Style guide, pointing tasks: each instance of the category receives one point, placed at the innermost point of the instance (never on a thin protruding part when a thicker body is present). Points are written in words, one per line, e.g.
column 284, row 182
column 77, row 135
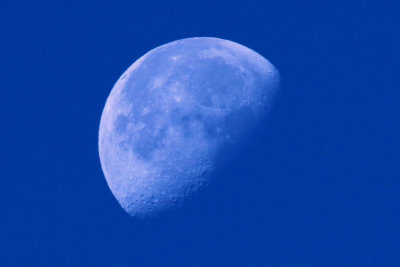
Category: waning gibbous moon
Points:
column 171, row 115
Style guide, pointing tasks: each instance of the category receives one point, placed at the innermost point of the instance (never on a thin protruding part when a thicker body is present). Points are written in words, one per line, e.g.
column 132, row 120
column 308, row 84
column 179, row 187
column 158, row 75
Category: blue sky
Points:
column 321, row 189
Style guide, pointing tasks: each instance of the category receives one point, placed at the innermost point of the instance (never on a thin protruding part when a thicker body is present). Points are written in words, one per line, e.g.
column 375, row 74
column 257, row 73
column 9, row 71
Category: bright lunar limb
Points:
column 172, row 114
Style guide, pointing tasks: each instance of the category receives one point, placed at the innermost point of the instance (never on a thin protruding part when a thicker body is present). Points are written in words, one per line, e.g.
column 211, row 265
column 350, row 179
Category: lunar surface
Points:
column 174, row 113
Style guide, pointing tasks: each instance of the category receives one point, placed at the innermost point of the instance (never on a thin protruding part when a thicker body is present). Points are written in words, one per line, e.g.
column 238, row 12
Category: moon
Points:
column 175, row 114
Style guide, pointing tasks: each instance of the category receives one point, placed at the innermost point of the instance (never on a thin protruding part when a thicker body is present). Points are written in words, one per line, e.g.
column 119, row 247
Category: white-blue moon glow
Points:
column 173, row 112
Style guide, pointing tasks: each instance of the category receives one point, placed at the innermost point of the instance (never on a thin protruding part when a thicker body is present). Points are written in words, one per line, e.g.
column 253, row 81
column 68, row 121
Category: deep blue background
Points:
column 322, row 189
